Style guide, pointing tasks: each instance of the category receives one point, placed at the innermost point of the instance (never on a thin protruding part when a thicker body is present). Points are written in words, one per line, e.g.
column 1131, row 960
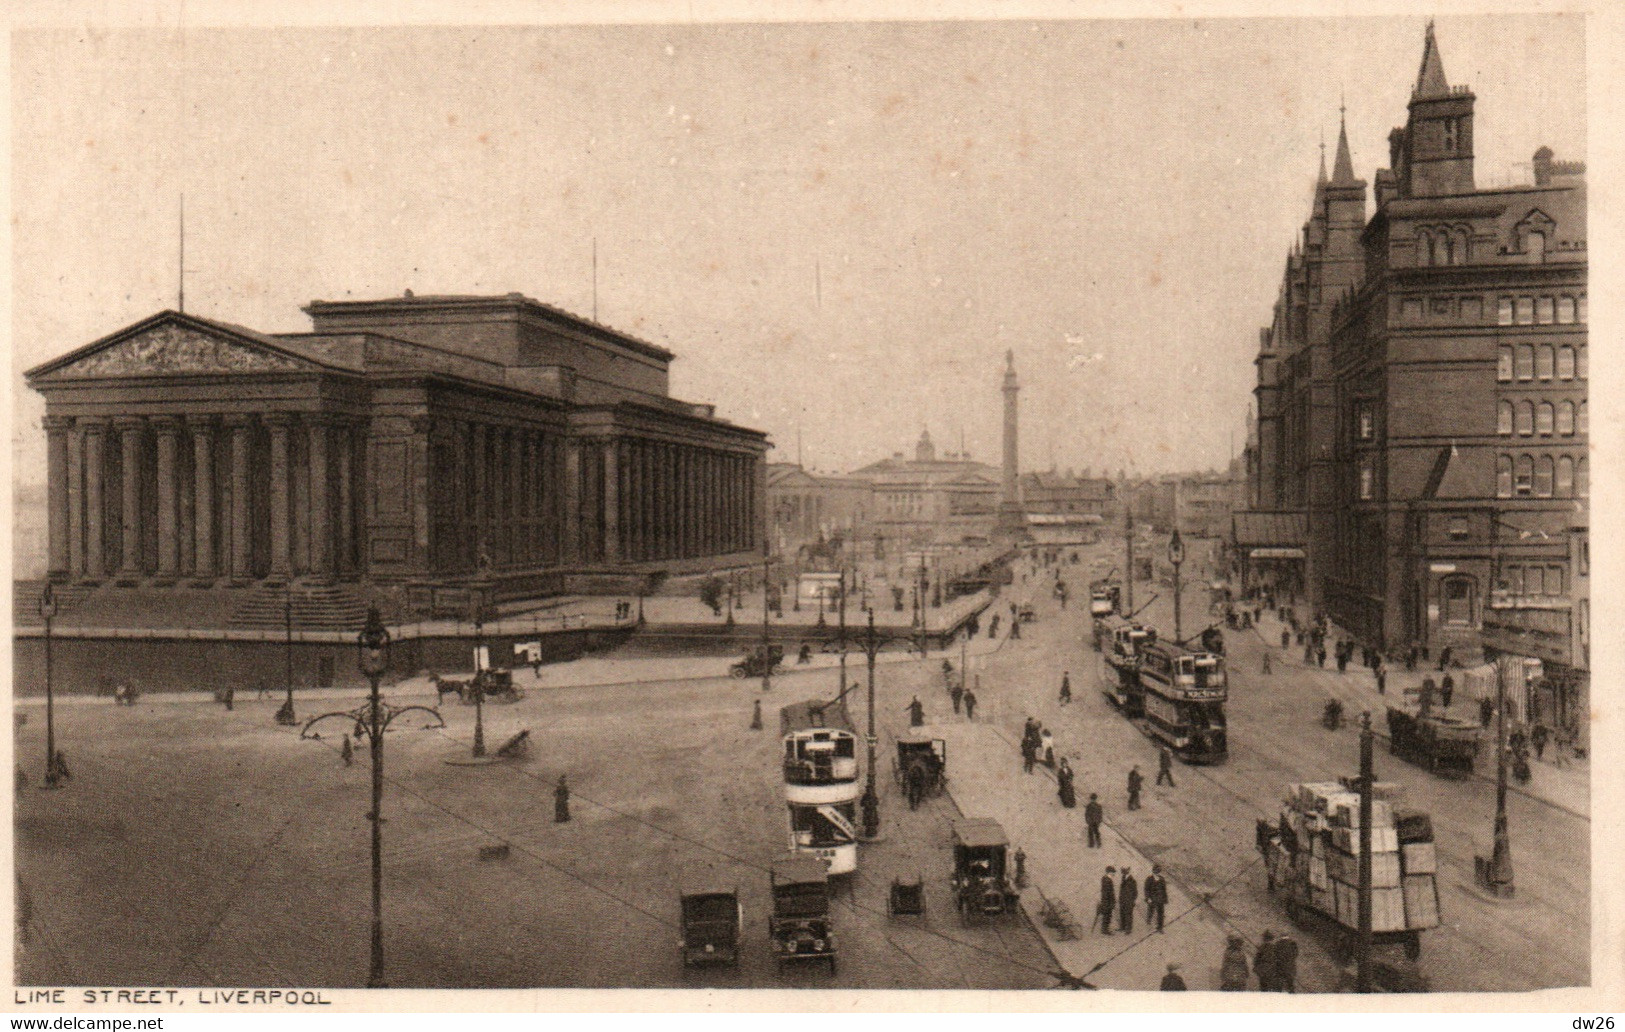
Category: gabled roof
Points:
column 177, row 344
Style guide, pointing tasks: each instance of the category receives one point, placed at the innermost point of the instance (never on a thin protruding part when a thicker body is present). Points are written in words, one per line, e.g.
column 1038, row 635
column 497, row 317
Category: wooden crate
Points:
column 1421, row 893
column 1419, row 858
column 1387, row 910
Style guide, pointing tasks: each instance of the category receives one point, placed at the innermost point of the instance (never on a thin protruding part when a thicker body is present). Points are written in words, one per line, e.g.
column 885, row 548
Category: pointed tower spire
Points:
column 1343, row 171
column 1321, row 181
column 1430, row 80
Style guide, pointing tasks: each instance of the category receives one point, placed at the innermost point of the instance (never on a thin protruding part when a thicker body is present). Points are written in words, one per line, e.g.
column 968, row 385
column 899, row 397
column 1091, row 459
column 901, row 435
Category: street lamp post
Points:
column 285, row 715
column 871, row 643
column 1176, row 556
column 767, row 655
column 47, row 610
column 478, row 686
column 1495, row 875
column 373, row 645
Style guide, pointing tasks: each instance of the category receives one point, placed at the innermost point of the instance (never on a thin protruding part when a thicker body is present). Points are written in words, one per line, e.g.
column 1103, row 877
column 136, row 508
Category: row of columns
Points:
column 505, row 499
column 205, row 527
column 664, row 500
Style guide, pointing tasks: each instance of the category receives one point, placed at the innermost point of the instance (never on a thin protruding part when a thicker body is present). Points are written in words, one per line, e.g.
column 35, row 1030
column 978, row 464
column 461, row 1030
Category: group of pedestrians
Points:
column 1274, row 964
column 1118, row 898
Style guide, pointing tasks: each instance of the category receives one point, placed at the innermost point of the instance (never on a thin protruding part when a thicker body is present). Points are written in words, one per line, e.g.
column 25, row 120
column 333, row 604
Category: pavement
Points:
column 990, row 782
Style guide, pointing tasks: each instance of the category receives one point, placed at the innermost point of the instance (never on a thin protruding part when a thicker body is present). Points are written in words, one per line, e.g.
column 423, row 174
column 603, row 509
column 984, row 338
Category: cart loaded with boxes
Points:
column 1313, row 859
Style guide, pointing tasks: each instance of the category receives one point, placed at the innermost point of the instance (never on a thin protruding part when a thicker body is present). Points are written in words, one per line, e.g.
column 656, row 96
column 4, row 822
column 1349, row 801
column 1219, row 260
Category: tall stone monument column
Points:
column 1012, row 521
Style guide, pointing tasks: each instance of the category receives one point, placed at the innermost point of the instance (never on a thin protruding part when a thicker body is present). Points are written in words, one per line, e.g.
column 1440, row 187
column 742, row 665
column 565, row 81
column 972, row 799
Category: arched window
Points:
column 1524, row 481
column 1526, row 362
column 1543, row 476
column 1503, row 419
column 1503, row 476
column 1543, row 419
column 1565, row 418
column 1461, row 246
column 1458, row 600
column 1526, row 418
column 1565, row 363
column 1543, row 362
column 1582, row 478
column 1424, row 247
column 1565, row 476
column 1583, row 424
column 1503, row 364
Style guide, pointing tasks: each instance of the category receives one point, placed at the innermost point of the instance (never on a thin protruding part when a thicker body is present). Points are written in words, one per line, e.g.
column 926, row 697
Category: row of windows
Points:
column 1527, row 419
column 1442, row 245
column 1531, row 579
column 1540, row 311
column 1541, row 362
column 1542, row 476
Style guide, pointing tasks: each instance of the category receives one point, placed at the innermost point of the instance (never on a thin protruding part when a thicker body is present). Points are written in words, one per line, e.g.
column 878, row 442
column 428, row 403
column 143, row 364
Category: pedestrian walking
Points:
column 970, row 704
column 231, row 696
column 1165, row 767
column 756, row 716
column 1233, row 969
column 1265, row 666
column 1444, row 656
column 347, row 752
column 916, row 712
column 1447, row 688
column 561, row 801
column 1308, row 651
column 1063, row 784
column 1066, row 687
column 1382, row 678
column 1538, row 737
column 1029, row 754
column 956, row 692
column 1093, row 814
column 1156, row 897
column 1342, row 658
column 1320, row 655
column 1046, row 747
column 1286, row 964
column 1264, row 964
column 1171, row 982
column 536, row 664
column 1128, row 894
column 1135, row 782
column 1486, row 711
column 1108, row 902
column 1286, row 639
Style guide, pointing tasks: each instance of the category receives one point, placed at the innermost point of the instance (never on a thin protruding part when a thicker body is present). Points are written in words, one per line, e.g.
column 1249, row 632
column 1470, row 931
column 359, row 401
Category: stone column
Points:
column 480, row 480
column 96, row 500
column 241, row 530
column 130, row 431
column 76, row 502
column 203, row 501
column 321, row 521
column 281, row 426
column 420, row 468
column 611, row 496
column 344, row 561
column 168, row 429
column 57, row 431
column 636, row 493
column 570, row 536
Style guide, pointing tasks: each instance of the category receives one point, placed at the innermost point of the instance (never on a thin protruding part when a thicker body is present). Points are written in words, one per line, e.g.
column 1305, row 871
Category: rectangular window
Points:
column 1543, row 362
column 1441, row 306
column 1565, row 309
column 1526, row 362
column 1534, row 581
column 1554, row 580
column 1543, row 310
column 1526, row 311
column 1503, row 311
column 1512, row 580
column 1503, row 364
column 1368, row 481
column 1368, row 429
column 1458, row 528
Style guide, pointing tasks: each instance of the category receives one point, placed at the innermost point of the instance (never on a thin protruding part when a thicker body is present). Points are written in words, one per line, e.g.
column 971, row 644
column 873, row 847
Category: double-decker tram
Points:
column 1183, row 692
column 1119, row 642
column 821, row 782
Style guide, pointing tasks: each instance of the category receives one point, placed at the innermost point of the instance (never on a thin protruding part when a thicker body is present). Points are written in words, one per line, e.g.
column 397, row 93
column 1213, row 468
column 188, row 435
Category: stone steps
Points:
column 328, row 607
column 26, row 594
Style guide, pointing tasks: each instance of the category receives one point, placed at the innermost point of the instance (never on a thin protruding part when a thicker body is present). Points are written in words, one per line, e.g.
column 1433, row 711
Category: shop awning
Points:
column 1270, row 534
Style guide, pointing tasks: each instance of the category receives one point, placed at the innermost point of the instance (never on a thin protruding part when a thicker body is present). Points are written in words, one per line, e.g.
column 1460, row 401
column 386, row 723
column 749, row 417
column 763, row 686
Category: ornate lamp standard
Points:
column 1176, row 556
column 375, row 717
column 767, row 656
column 47, row 610
column 871, row 642
column 284, row 716
column 478, row 687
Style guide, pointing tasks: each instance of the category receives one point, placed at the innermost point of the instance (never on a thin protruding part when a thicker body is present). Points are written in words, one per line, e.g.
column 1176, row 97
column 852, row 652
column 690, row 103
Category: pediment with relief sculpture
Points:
column 173, row 349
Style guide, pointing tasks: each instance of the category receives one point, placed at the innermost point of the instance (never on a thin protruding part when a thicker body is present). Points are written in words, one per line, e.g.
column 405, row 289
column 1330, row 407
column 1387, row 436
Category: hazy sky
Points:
column 1111, row 199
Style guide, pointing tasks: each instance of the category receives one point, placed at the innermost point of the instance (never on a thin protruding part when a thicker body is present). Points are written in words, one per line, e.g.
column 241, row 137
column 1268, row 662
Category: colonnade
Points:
column 201, row 496
column 664, row 500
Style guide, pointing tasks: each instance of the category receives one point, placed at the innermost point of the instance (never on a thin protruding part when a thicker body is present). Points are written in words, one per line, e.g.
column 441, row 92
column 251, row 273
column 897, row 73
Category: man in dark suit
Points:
column 1093, row 814
column 1128, row 894
column 1156, row 896
column 1108, row 901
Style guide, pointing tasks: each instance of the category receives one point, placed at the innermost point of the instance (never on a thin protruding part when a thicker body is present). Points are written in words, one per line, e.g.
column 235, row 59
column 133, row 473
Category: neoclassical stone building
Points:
column 421, row 446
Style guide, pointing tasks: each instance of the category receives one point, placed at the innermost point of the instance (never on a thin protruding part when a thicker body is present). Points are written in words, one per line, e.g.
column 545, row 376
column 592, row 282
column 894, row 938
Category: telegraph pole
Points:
column 1362, row 976
column 767, row 656
column 1128, row 539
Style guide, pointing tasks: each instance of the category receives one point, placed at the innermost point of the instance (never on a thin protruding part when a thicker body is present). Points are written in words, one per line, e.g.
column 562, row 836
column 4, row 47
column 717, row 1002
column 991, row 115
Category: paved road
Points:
column 1203, row 829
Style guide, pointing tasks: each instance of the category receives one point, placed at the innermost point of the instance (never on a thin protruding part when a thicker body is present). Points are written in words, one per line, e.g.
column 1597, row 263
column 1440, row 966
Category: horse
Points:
column 443, row 688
